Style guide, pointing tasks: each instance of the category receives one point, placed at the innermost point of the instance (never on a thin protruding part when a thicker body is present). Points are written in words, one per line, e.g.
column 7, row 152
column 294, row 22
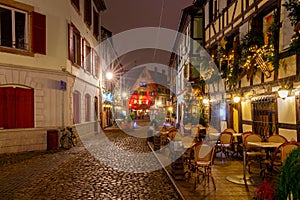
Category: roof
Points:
column 132, row 76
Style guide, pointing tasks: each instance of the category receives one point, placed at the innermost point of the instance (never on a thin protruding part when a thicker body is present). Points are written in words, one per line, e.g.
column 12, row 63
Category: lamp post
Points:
column 106, row 96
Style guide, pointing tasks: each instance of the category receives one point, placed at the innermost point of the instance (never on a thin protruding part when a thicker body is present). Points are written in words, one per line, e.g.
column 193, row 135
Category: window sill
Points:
column 16, row 51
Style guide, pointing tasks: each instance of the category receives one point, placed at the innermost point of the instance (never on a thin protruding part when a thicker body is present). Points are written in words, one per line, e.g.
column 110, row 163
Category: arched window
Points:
column 87, row 108
column 16, row 107
column 76, row 107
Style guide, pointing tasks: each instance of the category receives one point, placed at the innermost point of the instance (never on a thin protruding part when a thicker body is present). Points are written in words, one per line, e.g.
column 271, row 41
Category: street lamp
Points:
column 109, row 75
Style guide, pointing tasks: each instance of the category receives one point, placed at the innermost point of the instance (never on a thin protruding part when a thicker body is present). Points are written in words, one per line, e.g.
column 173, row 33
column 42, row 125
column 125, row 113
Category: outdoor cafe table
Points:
column 252, row 180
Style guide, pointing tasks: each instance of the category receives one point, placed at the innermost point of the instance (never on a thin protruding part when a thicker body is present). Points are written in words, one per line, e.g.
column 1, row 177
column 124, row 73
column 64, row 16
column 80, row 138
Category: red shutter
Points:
column 24, row 108
column 82, row 53
column 76, row 108
column 71, row 43
column 88, row 12
column 38, row 33
column 10, row 108
column 2, row 107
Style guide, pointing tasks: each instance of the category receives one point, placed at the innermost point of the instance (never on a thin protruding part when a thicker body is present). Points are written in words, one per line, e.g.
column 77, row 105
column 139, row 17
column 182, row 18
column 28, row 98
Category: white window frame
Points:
column 13, row 10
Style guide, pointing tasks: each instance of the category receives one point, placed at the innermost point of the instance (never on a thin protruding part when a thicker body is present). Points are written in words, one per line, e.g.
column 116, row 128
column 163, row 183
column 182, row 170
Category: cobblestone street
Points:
column 75, row 174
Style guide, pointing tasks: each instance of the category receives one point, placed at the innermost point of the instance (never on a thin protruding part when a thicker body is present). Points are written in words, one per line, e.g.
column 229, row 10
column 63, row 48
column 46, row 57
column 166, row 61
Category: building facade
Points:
column 50, row 69
column 253, row 46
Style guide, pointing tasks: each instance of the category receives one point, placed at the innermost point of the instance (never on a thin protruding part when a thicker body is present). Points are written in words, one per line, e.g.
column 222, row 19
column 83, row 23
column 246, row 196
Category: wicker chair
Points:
column 203, row 161
column 280, row 155
column 277, row 138
column 253, row 152
column 224, row 144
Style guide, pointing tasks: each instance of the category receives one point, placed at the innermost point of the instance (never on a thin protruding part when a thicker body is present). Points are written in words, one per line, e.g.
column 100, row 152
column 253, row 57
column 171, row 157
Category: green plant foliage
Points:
column 288, row 185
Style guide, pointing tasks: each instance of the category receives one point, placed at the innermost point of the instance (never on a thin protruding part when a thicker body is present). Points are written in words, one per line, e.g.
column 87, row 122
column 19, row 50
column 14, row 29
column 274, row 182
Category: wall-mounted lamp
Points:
column 236, row 99
column 283, row 92
column 206, row 101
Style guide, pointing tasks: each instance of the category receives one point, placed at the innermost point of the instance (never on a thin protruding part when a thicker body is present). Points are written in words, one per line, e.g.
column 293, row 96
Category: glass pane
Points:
column 5, row 27
column 198, row 28
column 20, row 30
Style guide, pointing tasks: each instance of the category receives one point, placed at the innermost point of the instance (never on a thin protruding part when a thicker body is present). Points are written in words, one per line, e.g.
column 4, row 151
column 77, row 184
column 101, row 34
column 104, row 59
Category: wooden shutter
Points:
column 38, row 33
column 71, row 43
column 88, row 12
column 82, row 53
column 76, row 108
column 96, row 23
column 24, row 108
column 3, row 117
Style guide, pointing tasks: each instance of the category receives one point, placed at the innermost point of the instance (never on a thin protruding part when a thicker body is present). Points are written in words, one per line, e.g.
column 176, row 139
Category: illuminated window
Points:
column 267, row 22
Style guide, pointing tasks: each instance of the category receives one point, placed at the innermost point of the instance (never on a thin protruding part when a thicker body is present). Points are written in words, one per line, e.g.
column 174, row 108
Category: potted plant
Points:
column 288, row 185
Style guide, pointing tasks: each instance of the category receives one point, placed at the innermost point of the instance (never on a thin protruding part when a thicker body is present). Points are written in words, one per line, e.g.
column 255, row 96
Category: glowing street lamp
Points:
column 109, row 75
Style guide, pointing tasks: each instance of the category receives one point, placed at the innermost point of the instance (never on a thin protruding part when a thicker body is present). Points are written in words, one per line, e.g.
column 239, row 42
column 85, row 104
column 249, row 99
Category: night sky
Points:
column 122, row 15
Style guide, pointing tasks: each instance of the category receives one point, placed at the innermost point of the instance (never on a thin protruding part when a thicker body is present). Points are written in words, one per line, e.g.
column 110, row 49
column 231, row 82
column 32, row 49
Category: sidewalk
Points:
column 225, row 190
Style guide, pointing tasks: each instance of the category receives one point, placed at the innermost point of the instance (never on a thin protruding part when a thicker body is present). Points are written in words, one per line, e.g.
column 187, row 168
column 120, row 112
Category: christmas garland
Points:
column 247, row 52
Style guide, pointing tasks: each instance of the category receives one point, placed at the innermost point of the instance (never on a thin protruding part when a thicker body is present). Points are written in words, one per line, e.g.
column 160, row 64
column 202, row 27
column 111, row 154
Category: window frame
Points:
column 87, row 57
column 75, row 46
column 22, row 8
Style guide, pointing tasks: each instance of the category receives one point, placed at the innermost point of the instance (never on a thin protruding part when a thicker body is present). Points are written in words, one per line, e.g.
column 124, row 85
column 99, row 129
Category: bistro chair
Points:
column 203, row 161
column 253, row 152
column 242, row 139
column 277, row 138
column 224, row 145
column 229, row 130
column 280, row 155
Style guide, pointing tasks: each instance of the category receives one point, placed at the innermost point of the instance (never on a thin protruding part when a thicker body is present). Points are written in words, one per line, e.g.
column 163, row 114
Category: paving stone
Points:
column 75, row 174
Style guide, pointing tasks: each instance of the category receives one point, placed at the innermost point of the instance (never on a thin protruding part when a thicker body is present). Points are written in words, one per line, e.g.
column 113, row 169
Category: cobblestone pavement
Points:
column 75, row 174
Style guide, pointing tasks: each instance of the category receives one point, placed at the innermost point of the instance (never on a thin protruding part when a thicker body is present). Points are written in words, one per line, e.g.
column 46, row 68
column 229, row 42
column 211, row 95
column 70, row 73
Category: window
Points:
column 76, row 107
column 143, row 84
column 96, row 64
column 15, row 30
column 87, row 108
column 88, row 12
column 76, row 4
column 74, row 45
column 210, row 12
column 87, row 57
column 96, row 24
column 264, row 116
column 247, row 3
column 267, row 22
column 16, row 107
